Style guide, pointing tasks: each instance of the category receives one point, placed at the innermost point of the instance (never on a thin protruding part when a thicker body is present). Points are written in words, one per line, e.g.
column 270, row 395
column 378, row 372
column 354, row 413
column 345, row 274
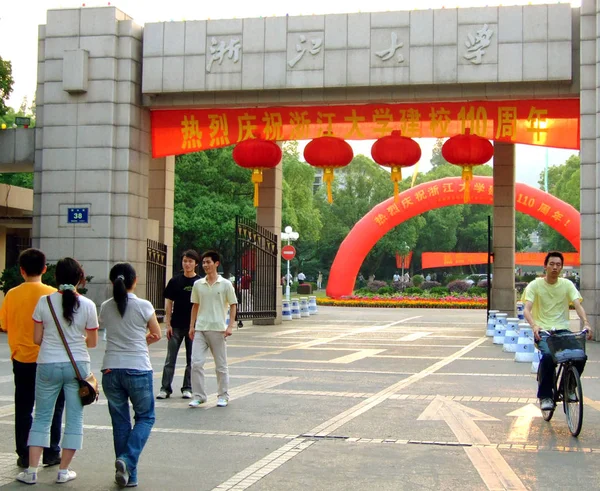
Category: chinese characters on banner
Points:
column 446, row 259
column 552, row 123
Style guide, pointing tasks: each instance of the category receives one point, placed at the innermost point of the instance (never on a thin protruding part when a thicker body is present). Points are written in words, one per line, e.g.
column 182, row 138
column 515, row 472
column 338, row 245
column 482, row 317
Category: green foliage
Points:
column 564, row 183
column 11, row 277
column 439, row 290
column 413, row 290
column 21, row 179
column 6, row 84
column 477, row 291
column 210, row 190
column 417, row 279
column 386, row 290
column 25, row 111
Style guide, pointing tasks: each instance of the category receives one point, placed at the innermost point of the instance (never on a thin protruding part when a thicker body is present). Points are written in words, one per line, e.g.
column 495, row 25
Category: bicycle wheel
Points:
column 546, row 413
column 573, row 400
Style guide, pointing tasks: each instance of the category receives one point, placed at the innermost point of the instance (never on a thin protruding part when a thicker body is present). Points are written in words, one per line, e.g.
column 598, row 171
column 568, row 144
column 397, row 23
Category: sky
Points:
column 19, row 20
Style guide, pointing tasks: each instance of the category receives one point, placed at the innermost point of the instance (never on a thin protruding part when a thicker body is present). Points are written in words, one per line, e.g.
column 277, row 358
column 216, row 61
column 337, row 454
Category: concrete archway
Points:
column 435, row 194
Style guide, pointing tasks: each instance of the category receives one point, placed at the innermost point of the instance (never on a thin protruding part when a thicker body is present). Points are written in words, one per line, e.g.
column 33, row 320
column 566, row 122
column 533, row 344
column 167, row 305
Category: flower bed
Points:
column 448, row 302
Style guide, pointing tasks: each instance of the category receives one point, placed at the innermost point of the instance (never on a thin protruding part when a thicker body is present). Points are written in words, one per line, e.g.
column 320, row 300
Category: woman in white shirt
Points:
column 79, row 323
column 126, row 370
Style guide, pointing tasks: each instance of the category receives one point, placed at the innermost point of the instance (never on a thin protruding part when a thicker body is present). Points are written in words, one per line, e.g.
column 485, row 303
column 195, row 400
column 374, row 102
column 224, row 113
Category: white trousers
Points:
column 215, row 342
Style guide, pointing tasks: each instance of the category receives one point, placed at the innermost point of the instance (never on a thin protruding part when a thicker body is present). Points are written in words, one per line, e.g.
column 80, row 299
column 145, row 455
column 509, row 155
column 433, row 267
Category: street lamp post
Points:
column 290, row 236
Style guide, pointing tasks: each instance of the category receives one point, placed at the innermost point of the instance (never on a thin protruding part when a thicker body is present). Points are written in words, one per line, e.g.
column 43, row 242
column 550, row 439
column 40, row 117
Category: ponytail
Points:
column 69, row 274
column 122, row 276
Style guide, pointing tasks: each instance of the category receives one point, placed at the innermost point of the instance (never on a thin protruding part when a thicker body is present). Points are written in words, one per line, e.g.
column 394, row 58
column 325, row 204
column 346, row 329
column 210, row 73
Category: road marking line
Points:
column 414, row 336
column 359, row 355
column 519, row 430
column 493, row 469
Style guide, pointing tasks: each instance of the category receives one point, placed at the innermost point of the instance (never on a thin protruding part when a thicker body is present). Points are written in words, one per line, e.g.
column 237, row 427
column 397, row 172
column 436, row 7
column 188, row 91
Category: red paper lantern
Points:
column 257, row 154
column 328, row 152
column 467, row 151
column 396, row 151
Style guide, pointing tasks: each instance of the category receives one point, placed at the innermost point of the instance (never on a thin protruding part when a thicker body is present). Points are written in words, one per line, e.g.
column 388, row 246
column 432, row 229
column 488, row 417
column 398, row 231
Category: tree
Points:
column 6, row 84
column 564, row 183
column 210, row 191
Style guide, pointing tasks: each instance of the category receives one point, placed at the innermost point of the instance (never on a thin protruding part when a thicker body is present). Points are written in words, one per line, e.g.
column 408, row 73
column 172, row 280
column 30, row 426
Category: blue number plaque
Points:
column 77, row 215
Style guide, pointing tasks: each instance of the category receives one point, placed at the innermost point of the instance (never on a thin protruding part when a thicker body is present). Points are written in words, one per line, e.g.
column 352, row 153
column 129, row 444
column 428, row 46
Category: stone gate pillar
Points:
column 92, row 144
column 590, row 160
column 503, row 283
column 161, row 203
column 268, row 215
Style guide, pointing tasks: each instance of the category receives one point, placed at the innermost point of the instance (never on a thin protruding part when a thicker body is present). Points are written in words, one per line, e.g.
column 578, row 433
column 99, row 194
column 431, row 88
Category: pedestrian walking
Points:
column 177, row 319
column 211, row 296
column 79, row 324
column 16, row 319
column 126, row 370
column 319, row 280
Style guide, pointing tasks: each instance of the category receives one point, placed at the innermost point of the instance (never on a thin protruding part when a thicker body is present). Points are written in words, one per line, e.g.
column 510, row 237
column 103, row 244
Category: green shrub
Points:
column 386, row 290
column 477, row 291
column 458, row 286
column 417, row 279
column 439, row 290
column 11, row 277
column 413, row 290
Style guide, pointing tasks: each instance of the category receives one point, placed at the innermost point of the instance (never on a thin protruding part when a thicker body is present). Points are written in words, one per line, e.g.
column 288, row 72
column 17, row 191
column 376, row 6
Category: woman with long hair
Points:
column 131, row 325
column 55, row 372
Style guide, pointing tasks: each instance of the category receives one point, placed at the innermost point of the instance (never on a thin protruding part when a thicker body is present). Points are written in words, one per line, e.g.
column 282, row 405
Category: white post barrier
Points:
column 491, row 323
column 312, row 305
column 500, row 329
column 525, row 346
column 296, row 308
column 511, row 337
column 304, row 307
column 286, row 311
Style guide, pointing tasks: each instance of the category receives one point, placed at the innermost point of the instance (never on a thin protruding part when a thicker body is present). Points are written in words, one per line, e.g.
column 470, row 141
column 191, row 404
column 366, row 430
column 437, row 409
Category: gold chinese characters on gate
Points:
column 551, row 122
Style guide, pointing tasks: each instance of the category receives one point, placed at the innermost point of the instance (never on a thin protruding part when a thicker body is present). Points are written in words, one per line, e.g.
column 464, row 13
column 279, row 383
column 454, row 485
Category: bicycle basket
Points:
column 567, row 347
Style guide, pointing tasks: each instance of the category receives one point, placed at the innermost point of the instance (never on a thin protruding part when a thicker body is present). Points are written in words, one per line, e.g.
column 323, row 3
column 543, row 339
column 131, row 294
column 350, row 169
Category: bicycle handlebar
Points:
column 553, row 332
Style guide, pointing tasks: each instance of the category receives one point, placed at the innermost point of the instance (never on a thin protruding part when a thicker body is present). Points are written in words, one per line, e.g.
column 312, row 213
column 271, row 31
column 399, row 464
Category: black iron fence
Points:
column 156, row 275
column 256, row 275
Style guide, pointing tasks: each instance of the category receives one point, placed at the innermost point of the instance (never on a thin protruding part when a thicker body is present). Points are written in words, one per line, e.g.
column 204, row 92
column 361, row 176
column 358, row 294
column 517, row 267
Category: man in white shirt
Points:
column 301, row 277
column 211, row 296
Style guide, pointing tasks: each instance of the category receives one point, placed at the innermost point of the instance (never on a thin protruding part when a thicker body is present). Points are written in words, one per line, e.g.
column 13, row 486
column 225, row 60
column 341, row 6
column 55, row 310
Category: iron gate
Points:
column 156, row 275
column 255, row 270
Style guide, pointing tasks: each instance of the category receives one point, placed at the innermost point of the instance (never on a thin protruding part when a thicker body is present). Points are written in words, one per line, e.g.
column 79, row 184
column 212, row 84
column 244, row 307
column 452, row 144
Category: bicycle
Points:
column 566, row 348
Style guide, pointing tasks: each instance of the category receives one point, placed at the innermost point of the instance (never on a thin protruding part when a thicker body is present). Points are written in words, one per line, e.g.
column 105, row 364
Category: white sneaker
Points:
column 195, row 403
column 27, row 477
column 547, row 404
column 65, row 476
column 163, row 395
column 573, row 397
column 186, row 394
column 222, row 402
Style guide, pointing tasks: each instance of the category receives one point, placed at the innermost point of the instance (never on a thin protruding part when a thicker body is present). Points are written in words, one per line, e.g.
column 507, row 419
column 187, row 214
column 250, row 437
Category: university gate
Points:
column 108, row 98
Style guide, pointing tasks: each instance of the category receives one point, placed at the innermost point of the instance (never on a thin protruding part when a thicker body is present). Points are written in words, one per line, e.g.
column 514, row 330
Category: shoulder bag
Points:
column 88, row 387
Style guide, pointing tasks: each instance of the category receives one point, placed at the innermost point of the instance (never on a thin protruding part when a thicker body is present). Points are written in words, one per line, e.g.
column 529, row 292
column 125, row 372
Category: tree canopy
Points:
column 6, row 84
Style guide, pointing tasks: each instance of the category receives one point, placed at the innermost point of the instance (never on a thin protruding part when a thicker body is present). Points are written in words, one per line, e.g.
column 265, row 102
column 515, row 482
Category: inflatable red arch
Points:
column 435, row 194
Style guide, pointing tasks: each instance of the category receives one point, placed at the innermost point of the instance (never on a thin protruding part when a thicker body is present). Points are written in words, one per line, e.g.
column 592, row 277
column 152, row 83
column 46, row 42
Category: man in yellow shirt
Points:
column 16, row 319
column 547, row 302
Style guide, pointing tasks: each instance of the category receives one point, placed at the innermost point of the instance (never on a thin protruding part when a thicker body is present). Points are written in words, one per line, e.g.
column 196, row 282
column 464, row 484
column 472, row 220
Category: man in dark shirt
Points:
column 178, row 308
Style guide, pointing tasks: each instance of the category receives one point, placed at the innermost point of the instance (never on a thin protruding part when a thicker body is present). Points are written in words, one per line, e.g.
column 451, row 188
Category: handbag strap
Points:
column 62, row 336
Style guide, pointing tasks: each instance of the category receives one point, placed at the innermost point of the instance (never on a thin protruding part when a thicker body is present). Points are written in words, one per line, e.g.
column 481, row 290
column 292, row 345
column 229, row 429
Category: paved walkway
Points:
column 349, row 399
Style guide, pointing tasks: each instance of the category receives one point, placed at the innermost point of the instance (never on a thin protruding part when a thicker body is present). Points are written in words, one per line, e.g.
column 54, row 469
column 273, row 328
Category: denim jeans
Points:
column 548, row 367
column 119, row 386
column 179, row 335
column 50, row 379
column 24, row 374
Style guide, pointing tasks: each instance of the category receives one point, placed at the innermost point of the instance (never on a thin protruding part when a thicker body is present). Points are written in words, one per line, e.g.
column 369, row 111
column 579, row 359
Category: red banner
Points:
column 551, row 123
column 407, row 259
column 449, row 259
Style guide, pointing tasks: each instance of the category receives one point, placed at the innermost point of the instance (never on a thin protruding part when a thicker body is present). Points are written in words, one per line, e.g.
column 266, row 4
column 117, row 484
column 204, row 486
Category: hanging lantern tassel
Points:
column 328, row 178
column 257, row 178
column 467, row 176
column 396, row 177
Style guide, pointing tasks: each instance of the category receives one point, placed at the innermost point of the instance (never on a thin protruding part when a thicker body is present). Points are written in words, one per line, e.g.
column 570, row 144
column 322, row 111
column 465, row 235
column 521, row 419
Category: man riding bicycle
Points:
column 547, row 308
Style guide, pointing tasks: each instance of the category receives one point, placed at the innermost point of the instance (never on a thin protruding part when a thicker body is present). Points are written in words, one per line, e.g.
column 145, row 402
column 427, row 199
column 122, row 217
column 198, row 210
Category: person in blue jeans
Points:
column 79, row 324
column 126, row 370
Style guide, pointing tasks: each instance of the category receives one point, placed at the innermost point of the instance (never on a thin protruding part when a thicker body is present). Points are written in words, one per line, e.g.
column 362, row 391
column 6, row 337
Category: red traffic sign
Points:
column 288, row 252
